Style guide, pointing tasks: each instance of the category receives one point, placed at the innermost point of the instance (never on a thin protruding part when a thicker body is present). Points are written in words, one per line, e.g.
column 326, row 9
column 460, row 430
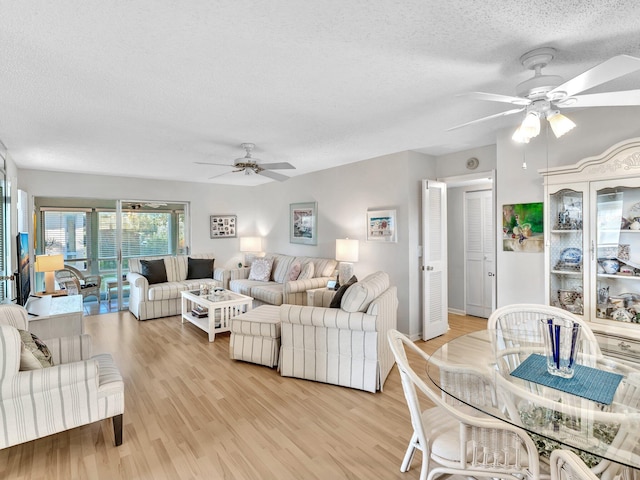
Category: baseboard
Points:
column 455, row 311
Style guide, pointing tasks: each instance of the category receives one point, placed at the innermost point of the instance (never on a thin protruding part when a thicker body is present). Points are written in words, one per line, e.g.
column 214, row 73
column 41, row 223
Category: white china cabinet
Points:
column 592, row 244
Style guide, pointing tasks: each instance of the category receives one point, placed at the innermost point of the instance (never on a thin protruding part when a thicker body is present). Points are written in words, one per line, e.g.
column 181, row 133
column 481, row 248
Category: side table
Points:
column 52, row 317
column 320, row 297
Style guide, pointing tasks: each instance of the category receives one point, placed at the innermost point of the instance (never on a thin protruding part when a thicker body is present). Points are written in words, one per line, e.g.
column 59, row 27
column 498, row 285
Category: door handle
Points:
column 429, row 268
column 491, row 274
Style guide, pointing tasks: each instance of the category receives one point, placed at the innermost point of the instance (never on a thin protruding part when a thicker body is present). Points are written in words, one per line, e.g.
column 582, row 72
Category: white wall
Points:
column 520, row 276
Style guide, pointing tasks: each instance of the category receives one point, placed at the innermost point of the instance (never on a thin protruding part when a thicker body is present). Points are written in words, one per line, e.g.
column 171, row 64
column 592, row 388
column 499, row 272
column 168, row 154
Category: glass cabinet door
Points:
column 617, row 247
column 566, row 238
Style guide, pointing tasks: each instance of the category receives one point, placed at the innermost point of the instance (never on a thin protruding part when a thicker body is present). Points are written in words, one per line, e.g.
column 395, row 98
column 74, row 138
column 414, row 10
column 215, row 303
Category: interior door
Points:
column 435, row 320
column 479, row 253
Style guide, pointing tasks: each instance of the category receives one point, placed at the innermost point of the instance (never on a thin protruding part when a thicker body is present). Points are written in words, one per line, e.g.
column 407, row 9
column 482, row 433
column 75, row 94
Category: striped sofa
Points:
column 164, row 299
column 344, row 346
column 79, row 388
column 278, row 290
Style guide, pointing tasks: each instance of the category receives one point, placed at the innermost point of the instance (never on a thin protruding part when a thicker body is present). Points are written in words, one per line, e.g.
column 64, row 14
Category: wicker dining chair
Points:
column 459, row 443
column 73, row 279
column 566, row 465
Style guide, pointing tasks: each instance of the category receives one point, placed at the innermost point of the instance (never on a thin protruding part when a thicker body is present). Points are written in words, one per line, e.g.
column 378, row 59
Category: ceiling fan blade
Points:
column 608, row 70
column 276, row 166
column 497, row 115
column 219, row 175
column 209, row 163
column 607, row 99
column 494, row 97
column 276, row 176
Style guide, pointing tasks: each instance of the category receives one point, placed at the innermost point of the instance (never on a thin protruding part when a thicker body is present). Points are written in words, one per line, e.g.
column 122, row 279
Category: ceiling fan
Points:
column 250, row 165
column 542, row 96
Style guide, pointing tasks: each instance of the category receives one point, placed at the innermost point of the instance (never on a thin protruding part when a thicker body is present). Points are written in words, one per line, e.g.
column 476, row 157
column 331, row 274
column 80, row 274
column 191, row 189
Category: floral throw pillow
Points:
column 294, row 271
column 34, row 354
column 261, row 269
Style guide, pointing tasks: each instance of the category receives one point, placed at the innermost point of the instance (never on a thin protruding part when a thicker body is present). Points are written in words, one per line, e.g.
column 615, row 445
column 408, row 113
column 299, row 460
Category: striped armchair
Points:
column 79, row 388
column 345, row 346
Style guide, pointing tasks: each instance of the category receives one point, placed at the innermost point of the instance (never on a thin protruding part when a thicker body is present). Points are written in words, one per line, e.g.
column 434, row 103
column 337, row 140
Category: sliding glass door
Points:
column 99, row 237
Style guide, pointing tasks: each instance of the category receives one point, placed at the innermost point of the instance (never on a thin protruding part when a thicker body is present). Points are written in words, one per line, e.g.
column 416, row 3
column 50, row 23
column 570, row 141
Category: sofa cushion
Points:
column 337, row 298
column 358, row 297
column 261, row 269
column 34, row 354
column 324, row 267
column 153, row 270
column 166, row 290
column 271, row 293
column 281, row 264
column 199, row 268
column 245, row 287
column 308, row 269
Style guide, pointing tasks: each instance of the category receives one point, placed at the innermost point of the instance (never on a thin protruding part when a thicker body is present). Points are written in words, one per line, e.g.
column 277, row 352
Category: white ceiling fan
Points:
column 250, row 165
column 542, row 96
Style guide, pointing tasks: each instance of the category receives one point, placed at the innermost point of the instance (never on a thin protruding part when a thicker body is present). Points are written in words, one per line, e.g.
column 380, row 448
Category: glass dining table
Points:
column 599, row 432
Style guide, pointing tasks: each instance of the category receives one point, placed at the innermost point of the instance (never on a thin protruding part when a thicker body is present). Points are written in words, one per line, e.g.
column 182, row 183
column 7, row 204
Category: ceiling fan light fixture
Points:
column 559, row 123
column 519, row 137
column 531, row 125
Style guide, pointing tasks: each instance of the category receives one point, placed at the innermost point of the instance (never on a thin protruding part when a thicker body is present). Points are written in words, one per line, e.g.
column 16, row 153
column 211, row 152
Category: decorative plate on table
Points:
column 571, row 256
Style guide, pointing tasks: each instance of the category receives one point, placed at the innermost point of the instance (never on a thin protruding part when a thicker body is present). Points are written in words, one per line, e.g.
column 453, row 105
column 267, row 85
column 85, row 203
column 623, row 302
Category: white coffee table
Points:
column 222, row 308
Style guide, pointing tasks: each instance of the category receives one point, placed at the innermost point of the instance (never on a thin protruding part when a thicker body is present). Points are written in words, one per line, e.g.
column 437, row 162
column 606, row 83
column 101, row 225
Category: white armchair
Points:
column 79, row 388
column 344, row 346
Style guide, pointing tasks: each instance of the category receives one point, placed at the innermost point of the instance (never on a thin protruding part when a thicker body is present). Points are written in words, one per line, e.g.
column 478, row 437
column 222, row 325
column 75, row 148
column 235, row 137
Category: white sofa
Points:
column 278, row 290
column 164, row 299
column 344, row 346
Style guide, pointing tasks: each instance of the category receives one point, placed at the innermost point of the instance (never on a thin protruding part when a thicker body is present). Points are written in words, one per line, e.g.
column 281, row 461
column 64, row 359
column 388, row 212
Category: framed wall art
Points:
column 523, row 227
column 303, row 223
column 222, row 226
column 381, row 226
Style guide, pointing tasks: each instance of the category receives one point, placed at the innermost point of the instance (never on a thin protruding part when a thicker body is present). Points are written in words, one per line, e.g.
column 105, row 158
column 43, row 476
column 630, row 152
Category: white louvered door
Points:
column 479, row 253
column 434, row 259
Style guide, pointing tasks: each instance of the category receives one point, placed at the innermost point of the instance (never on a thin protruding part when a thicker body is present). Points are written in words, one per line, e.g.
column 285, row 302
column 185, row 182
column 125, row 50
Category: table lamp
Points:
column 49, row 264
column 346, row 254
column 250, row 246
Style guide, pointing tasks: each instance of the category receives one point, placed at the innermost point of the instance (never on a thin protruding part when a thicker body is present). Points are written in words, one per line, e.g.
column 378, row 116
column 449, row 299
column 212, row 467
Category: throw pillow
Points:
column 307, row 271
column 294, row 271
column 261, row 269
column 153, row 270
column 34, row 353
column 199, row 268
column 337, row 298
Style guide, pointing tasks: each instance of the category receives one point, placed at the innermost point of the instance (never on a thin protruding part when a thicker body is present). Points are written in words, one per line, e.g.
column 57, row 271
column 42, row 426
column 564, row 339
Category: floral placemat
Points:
column 590, row 383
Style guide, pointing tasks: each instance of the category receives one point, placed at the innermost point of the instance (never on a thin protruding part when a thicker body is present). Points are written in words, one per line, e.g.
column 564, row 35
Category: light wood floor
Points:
column 192, row 413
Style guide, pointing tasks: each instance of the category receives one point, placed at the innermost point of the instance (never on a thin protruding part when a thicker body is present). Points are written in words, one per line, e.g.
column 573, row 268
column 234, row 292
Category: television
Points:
column 23, row 279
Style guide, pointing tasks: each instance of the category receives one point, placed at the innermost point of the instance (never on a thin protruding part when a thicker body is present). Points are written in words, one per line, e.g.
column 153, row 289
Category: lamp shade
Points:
column 250, row 244
column 49, row 263
column 346, row 250
column 559, row 123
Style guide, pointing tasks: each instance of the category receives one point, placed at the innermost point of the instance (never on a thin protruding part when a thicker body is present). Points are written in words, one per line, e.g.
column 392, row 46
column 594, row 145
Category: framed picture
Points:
column 303, row 223
column 523, row 227
column 222, row 226
column 381, row 226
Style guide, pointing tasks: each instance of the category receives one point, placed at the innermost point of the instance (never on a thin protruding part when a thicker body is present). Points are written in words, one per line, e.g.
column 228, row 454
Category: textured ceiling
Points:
column 148, row 88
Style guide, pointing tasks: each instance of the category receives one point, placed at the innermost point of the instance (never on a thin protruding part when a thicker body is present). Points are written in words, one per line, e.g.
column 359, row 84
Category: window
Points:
column 66, row 232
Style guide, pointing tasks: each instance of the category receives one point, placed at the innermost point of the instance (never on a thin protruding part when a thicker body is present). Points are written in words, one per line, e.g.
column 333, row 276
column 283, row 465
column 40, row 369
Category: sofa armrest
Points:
column 69, row 349
column 239, row 273
column 295, row 292
column 222, row 275
column 138, row 290
column 327, row 318
column 30, row 382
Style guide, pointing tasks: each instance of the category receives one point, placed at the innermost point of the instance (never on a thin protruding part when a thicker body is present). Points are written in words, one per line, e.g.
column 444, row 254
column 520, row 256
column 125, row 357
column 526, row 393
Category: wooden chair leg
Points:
column 117, row 429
